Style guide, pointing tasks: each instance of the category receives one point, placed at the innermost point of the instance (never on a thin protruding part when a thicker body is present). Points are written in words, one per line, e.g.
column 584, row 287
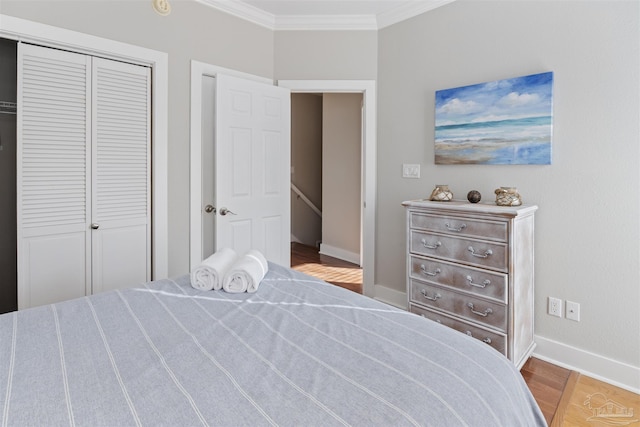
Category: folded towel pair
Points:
column 225, row 270
column 210, row 273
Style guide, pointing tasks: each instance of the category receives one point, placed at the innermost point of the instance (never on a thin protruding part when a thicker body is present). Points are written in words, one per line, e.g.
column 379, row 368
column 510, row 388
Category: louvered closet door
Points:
column 121, row 245
column 53, row 173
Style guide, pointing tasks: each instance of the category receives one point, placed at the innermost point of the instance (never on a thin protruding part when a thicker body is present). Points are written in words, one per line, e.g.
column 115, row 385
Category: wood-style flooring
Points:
column 565, row 397
column 308, row 260
column 547, row 383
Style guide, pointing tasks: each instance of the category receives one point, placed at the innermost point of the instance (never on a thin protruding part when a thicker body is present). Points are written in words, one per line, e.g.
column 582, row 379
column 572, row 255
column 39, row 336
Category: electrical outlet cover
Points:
column 555, row 307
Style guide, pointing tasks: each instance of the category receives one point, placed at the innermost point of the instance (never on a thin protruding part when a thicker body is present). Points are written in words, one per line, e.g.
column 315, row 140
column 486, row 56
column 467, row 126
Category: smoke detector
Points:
column 161, row 6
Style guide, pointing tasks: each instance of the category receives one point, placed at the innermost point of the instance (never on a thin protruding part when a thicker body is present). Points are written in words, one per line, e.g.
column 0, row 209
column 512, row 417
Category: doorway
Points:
column 203, row 90
column 368, row 161
column 15, row 29
column 326, row 184
column 364, row 87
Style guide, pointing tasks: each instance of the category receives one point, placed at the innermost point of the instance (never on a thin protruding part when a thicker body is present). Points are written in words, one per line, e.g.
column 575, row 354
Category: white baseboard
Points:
column 593, row 365
column 390, row 296
column 342, row 254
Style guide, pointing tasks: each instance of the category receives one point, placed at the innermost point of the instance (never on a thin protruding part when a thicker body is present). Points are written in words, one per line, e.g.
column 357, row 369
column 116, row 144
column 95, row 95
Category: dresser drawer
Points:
column 469, row 307
column 475, row 252
column 468, row 279
column 460, row 226
column 494, row 339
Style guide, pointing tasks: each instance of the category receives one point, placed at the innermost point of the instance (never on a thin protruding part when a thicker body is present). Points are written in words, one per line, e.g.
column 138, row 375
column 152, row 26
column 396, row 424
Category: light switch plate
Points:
column 410, row 171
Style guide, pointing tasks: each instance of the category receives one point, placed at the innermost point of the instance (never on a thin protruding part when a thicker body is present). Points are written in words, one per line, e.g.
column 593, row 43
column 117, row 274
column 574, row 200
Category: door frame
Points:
column 369, row 134
column 368, row 90
column 23, row 30
column 199, row 70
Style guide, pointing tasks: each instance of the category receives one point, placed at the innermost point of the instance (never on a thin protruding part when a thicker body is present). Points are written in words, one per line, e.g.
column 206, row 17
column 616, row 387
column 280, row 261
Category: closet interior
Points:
column 8, row 254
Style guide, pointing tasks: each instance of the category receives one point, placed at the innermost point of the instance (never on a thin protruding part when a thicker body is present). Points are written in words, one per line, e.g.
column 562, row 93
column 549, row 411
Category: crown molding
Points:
column 324, row 22
column 408, row 10
column 243, row 10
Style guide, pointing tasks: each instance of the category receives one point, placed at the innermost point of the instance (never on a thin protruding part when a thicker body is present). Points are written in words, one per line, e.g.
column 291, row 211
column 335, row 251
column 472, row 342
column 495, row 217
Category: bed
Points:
column 298, row 352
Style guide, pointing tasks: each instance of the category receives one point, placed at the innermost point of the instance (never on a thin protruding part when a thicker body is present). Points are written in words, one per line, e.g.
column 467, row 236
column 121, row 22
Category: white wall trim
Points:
column 198, row 70
column 408, row 10
column 369, row 136
column 46, row 35
column 326, row 23
column 590, row 364
column 391, row 296
column 593, row 365
column 372, row 21
column 339, row 253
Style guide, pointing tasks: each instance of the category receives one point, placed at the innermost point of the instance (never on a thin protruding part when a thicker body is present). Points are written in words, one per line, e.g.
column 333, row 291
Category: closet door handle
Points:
column 95, row 226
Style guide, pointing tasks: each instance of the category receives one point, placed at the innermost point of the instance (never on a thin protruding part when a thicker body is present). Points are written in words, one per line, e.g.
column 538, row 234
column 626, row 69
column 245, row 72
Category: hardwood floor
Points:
column 589, row 402
column 565, row 397
column 547, row 383
column 308, row 260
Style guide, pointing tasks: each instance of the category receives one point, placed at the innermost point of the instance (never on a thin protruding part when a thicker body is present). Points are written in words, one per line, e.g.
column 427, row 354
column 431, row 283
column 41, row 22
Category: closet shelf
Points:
column 7, row 107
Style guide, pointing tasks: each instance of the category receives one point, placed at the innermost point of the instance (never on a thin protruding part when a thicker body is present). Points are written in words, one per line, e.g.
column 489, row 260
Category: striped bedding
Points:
column 299, row 352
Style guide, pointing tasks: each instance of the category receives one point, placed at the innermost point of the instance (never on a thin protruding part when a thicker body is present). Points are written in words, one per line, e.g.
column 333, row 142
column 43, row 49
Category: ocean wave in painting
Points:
column 502, row 142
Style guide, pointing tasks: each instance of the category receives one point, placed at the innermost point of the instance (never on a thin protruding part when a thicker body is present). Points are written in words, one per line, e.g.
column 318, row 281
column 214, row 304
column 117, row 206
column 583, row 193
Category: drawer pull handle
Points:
column 429, row 273
column 428, row 246
column 485, row 313
column 485, row 255
column 487, row 340
column 433, row 298
column 458, row 229
column 478, row 285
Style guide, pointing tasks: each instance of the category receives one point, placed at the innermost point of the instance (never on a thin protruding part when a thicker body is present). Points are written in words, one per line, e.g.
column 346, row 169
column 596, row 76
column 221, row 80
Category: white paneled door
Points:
column 252, row 164
column 82, row 175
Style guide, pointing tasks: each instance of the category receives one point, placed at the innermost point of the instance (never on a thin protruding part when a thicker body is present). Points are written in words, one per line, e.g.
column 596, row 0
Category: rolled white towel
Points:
column 246, row 274
column 210, row 273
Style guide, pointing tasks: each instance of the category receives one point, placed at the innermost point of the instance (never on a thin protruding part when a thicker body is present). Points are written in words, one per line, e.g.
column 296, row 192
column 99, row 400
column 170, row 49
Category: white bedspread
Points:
column 296, row 353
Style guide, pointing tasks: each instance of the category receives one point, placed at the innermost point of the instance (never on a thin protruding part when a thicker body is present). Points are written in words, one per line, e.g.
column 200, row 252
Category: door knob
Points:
column 225, row 211
column 95, row 226
column 209, row 209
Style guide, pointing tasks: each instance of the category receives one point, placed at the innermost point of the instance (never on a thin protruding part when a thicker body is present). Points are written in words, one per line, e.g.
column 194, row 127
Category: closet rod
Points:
column 7, row 107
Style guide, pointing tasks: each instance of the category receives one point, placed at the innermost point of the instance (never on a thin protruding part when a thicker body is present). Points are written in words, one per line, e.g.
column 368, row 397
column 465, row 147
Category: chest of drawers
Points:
column 471, row 267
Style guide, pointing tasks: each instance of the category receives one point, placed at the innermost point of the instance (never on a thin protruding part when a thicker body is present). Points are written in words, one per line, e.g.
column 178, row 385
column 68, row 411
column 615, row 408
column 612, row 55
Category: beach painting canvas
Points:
column 505, row 122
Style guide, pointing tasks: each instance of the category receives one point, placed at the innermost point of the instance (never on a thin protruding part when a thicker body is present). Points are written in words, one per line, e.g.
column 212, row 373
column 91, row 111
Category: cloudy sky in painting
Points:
column 528, row 96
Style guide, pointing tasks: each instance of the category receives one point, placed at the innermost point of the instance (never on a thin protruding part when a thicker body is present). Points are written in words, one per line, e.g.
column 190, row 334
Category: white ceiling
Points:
column 325, row 14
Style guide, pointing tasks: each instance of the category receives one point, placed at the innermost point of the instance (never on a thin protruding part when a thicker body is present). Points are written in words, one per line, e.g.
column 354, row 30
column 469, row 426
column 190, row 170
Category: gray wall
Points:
column 326, row 155
column 341, row 183
column 587, row 227
column 306, row 161
column 192, row 31
column 326, row 55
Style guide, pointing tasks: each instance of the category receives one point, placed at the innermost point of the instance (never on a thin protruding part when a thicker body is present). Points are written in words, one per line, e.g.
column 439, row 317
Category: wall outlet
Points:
column 555, row 307
column 410, row 171
column 573, row 311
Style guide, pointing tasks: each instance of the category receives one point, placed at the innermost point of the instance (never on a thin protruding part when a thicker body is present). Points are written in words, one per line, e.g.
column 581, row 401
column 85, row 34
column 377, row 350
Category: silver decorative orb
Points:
column 474, row 196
